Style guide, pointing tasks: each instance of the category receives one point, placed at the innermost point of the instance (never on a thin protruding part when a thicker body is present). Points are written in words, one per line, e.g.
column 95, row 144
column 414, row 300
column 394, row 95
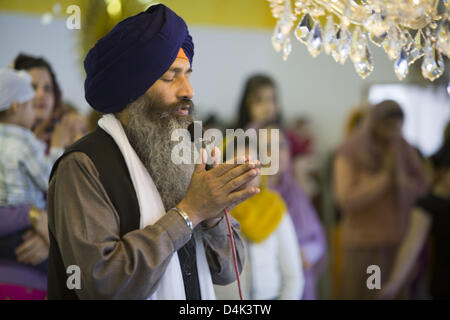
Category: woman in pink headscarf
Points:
column 377, row 177
column 309, row 230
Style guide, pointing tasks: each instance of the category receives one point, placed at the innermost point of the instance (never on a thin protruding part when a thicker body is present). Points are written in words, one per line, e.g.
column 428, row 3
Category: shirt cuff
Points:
column 176, row 227
column 218, row 230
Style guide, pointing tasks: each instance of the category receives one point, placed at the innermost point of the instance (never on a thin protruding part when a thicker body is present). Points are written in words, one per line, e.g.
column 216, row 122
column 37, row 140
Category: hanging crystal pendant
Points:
column 287, row 48
column 304, row 29
column 335, row 55
column 365, row 66
column 401, row 66
column 334, row 48
column 329, row 36
column 358, row 46
column 285, row 27
column 281, row 32
column 431, row 68
column 344, row 45
column 278, row 37
column 393, row 43
column 360, row 53
column 315, row 40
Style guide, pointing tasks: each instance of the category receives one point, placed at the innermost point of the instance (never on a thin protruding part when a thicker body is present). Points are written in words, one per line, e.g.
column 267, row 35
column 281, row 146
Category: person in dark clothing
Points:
column 431, row 215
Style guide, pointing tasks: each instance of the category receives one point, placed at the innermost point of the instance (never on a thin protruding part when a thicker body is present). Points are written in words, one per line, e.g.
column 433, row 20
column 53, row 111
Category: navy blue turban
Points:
column 132, row 56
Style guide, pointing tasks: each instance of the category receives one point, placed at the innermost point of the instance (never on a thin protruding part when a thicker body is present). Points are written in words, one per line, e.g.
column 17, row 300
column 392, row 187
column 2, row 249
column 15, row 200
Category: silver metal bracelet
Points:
column 185, row 217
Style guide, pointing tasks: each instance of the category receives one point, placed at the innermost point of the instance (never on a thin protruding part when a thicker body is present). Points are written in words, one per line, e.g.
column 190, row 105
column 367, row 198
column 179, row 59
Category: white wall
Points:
column 23, row 33
column 224, row 57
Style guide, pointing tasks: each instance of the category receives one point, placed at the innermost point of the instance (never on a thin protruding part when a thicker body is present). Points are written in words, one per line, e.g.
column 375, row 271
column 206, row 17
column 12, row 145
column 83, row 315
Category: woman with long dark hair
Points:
column 48, row 102
column 259, row 103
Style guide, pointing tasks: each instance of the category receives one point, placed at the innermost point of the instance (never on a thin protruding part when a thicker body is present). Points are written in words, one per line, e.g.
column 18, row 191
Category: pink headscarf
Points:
column 360, row 149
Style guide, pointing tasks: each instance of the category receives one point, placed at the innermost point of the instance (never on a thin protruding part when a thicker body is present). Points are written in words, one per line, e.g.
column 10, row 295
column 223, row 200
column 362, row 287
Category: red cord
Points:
column 233, row 249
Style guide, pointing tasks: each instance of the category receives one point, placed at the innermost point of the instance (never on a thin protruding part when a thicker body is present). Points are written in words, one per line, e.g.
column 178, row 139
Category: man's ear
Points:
column 123, row 116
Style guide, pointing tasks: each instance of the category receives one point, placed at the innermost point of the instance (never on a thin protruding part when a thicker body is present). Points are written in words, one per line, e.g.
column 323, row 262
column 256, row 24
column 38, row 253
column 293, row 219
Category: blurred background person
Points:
column 377, row 176
column 259, row 108
column 57, row 125
column 310, row 233
column 79, row 125
column 301, row 137
column 48, row 104
column 259, row 103
column 273, row 267
column 305, row 160
column 431, row 215
column 354, row 120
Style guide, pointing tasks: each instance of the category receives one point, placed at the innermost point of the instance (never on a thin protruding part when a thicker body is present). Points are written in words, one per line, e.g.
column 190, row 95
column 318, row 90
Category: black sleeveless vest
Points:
column 115, row 178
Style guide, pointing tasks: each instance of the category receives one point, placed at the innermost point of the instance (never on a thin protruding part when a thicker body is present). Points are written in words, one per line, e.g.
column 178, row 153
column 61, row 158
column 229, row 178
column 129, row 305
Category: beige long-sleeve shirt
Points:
column 86, row 226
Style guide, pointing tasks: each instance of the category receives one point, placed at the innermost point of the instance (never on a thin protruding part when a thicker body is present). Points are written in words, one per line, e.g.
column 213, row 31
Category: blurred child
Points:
column 25, row 168
column 309, row 230
column 273, row 268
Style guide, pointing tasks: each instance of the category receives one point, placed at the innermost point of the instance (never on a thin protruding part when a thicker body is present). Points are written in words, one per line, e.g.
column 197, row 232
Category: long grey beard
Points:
column 149, row 133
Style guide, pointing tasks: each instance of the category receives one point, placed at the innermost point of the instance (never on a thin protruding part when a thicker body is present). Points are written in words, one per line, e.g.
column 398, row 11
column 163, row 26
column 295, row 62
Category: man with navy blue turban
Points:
column 125, row 220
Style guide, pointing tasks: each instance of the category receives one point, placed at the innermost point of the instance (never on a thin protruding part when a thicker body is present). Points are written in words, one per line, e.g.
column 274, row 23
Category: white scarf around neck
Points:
column 171, row 286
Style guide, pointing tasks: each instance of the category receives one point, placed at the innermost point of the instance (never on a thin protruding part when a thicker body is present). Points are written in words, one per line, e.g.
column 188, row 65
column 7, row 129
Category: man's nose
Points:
column 185, row 90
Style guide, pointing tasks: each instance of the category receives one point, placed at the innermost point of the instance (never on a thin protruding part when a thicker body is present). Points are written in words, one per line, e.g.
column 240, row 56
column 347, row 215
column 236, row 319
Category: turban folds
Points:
column 132, row 56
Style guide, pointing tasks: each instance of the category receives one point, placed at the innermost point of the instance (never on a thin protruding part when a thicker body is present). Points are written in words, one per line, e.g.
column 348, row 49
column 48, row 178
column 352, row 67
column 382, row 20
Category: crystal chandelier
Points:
column 406, row 29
